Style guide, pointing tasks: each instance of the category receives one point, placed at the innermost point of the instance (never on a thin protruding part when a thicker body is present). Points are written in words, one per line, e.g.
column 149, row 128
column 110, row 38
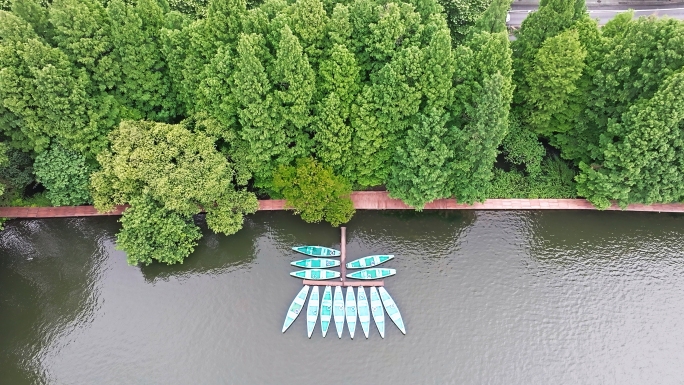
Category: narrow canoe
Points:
column 317, row 251
column 316, row 263
column 312, row 311
column 326, row 310
column 295, row 307
column 350, row 311
column 315, row 274
column 392, row 309
column 369, row 261
column 338, row 311
column 377, row 311
column 364, row 310
column 372, row 273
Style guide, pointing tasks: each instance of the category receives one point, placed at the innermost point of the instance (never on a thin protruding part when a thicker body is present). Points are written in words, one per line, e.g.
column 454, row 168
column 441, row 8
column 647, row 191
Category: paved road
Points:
column 605, row 13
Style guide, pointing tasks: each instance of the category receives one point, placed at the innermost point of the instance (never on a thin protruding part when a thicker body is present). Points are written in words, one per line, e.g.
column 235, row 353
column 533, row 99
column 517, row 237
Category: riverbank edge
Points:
column 367, row 200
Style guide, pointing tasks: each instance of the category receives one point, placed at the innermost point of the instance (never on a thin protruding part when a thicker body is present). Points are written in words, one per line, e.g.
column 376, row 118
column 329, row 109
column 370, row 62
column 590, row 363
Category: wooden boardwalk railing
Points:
column 367, row 200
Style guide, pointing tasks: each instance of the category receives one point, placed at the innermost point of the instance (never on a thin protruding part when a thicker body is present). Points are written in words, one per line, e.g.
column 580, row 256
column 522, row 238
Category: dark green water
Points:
column 487, row 297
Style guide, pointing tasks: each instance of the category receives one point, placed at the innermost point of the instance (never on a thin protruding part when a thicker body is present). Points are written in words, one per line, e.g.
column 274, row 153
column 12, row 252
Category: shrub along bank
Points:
column 173, row 107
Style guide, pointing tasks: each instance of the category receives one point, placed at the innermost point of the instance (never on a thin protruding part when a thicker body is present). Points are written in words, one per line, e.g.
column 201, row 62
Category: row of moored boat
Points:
column 349, row 308
column 316, row 266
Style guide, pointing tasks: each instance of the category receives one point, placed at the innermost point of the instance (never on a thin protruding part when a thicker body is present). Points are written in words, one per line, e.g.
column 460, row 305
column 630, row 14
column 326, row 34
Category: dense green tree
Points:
column 637, row 56
column 16, row 172
column 65, row 175
column 462, row 14
column 294, row 86
column 259, row 128
column 43, row 96
column 151, row 232
column 493, row 19
column 179, row 170
column 314, row 192
column 423, row 165
column 144, row 89
column 478, row 141
column 552, row 18
column 643, row 154
column 521, row 147
column 552, row 80
column 339, row 81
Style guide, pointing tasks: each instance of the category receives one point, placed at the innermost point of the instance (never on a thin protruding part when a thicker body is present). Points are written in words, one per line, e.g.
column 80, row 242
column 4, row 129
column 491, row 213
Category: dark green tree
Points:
column 643, row 154
column 478, row 141
column 144, row 89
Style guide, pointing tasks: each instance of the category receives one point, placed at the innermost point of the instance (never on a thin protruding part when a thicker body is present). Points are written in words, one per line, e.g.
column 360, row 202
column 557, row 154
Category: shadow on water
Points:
column 603, row 238
column 215, row 254
column 45, row 282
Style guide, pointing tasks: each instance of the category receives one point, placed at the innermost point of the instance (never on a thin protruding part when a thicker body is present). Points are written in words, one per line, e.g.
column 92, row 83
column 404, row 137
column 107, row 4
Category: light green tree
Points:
column 552, row 80
column 180, row 171
column 314, row 192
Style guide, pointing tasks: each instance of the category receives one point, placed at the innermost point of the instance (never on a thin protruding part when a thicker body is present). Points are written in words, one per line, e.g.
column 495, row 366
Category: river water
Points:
column 488, row 298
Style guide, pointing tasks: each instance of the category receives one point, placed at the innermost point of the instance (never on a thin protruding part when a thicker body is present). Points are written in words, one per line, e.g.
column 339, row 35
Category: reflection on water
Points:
column 488, row 297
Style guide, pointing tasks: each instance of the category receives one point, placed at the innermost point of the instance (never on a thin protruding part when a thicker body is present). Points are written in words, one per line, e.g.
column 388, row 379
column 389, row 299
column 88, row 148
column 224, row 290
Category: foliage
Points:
column 15, row 174
column 522, row 147
column 65, row 175
column 552, row 18
column 643, row 154
column 178, row 173
column 478, row 143
column 557, row 67
column 35, row 200
column 151, row 232
column 145, row 84
column 633, row 60
column 555, row 180
column 462, row 14
column 314, row 192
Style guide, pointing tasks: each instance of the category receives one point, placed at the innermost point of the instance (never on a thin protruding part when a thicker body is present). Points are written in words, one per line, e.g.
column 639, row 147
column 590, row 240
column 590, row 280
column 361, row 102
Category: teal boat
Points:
column 372, row 273
column 350, row 311
column 312, row 311
column 315, row 274
column 369, row 261
column 364, row 310
column 295, row 307
column 377, row 311
column 317, row 251
column 326, row 310
column 338, row 311
column 316, row 263
column 392, row 309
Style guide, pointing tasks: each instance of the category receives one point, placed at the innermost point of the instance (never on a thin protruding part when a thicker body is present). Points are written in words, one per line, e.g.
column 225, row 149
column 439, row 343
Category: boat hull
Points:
column 377, row 311
column 312, row 311
column 350, row 311
column 338, row 311
column 392, row 309
column 315, row 274
column 316, row 263
column 364, row 310
column 326, row 310
column 295, row 307
column 375, row 273
column 369, row 261
column 317, row 251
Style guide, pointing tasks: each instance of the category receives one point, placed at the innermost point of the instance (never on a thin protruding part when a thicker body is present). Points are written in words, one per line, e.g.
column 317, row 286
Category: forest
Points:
column 181, row 107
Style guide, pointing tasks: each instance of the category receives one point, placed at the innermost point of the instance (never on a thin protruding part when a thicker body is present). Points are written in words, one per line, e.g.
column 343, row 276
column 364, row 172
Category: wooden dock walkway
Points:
column 368, row 200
